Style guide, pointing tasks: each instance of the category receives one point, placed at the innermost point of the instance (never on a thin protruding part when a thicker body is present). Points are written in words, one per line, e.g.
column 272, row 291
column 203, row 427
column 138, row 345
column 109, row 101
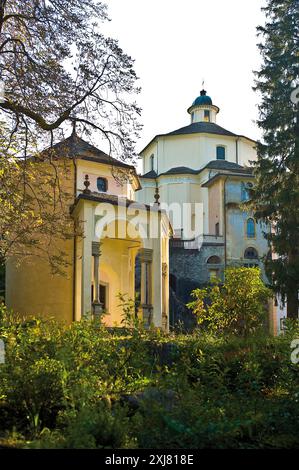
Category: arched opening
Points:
column 251, row 253
column 214, row 260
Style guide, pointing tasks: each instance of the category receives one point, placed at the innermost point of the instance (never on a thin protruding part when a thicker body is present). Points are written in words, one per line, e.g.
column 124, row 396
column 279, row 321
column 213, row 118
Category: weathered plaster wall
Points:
column 31, row 289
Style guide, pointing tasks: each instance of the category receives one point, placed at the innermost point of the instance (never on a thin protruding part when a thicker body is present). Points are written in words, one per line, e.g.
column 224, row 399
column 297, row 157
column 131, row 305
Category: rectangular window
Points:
column 103, row 295
column 250, row 228
column 220, row 154
column 152, row 162
column 102, row 185
column 207, row 115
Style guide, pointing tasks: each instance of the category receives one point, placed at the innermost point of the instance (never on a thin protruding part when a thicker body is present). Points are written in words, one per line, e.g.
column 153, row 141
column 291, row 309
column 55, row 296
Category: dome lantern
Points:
column 203, row 109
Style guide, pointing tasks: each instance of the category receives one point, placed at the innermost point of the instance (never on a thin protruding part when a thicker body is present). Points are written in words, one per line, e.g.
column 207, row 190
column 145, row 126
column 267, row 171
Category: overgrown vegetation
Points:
column 238, row 305
column 82, row 386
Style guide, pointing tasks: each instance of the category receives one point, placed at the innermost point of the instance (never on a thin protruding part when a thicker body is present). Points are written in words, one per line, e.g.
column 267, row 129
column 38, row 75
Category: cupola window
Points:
column 207, row 115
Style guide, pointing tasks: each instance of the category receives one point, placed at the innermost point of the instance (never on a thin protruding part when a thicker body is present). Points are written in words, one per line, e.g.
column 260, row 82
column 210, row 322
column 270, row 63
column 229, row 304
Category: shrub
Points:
column 84, row 386
column 237, row 306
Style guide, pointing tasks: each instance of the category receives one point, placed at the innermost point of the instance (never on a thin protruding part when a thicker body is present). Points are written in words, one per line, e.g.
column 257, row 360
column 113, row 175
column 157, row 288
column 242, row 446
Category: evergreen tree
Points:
column 275, row 197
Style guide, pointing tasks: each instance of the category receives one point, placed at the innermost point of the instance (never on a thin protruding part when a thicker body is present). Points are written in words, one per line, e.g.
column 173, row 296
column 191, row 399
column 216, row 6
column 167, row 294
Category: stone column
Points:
column 96, row 304
column 157, row 280
column 86, row 216
column 164, row 297
column 146, row 258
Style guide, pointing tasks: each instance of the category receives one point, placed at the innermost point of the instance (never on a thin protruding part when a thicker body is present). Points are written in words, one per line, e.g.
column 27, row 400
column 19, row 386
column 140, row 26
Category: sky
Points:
column 176, row 45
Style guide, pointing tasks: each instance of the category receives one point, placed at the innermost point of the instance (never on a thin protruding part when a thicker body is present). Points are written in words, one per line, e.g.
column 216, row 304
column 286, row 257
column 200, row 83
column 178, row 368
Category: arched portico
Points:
column 105, row 264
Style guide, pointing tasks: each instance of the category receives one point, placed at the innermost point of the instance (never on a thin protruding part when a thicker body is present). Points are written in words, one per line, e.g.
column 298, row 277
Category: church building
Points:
column 102, row 261
column 205, row 165
column 192, row 190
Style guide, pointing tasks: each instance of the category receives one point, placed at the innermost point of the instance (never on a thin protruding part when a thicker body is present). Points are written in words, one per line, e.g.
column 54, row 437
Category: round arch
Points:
column 214, row 260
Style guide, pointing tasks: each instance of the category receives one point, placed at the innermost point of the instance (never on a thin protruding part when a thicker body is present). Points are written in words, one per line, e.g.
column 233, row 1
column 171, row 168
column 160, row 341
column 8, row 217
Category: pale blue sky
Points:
column 176, row 44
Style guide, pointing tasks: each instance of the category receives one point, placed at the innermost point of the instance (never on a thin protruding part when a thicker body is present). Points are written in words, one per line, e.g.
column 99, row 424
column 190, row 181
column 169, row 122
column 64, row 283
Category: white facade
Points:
column 179, row 163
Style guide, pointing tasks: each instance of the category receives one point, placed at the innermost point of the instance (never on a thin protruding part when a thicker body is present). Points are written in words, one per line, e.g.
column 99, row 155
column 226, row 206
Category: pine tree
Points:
column 275, row 197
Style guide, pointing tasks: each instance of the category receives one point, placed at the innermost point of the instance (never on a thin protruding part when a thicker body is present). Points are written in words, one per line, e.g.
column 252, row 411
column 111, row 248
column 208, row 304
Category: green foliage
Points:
column 236, row 306
column 229, row 393
column 2, row 282
column 130, row 317
column 96, row 427
column 83, row 386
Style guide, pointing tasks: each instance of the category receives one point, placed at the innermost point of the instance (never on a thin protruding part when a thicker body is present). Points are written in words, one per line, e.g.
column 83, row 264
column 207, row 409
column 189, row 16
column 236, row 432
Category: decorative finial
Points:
column 86, row 184
column 157, row 196
column 203, row 91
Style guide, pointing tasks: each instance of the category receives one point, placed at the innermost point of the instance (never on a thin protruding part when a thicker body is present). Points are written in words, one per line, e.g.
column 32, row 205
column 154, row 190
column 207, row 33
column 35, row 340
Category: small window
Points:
column 103, row 295
column 217, row 231
column 251, row 253
column 244, row 191
column 214, row 260
column 102, row 185
column 192, row 117
column 152, row 161
column 220, row 153
column 207, row 115
column 250, row 228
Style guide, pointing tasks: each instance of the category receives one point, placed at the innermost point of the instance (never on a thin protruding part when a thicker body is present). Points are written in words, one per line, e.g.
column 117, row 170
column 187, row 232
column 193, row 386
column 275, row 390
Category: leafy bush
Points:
column 237, row 306
column 82, row 386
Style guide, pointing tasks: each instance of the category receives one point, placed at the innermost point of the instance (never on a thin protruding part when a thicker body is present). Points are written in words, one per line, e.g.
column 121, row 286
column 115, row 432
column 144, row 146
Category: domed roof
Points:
column 202, row 99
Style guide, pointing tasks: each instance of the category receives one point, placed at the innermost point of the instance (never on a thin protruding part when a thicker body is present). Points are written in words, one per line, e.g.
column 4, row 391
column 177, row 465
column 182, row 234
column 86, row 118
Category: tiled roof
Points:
column 198, row 128
column 113, row 199
column 74, row 147
column 202, row 127
column 150, row 174
column 239, row 174
column 214, row 164
column 225, row 165
column 180, row 170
